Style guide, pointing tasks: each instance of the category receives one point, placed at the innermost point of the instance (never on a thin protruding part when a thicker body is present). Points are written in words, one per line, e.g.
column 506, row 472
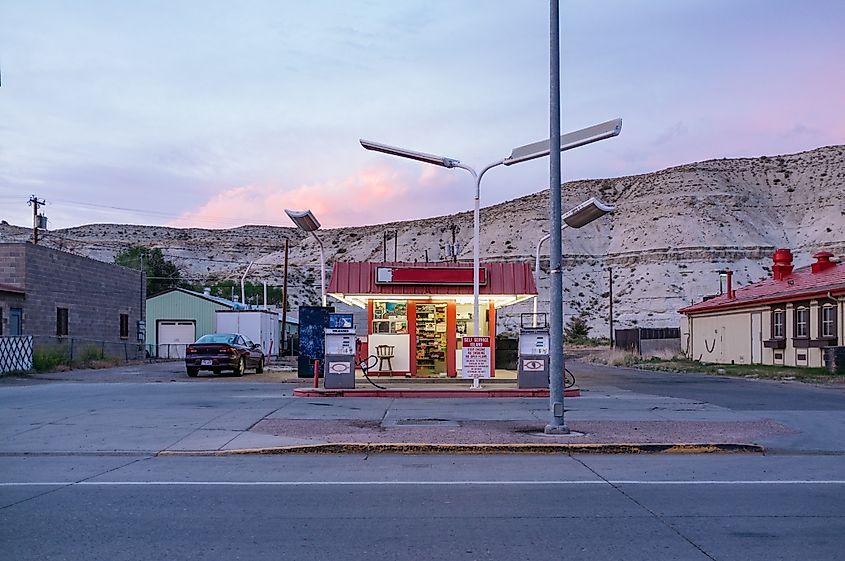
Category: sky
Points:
column 216, row 114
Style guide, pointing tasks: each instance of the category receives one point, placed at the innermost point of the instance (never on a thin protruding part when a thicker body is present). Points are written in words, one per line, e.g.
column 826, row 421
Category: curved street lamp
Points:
column 307, row 222
column 525, row 153
column 576, row 217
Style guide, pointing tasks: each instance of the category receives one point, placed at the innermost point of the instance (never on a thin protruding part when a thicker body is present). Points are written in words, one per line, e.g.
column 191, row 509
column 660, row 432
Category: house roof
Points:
column 290, row 318
column 801, row 284
column 11, row 288
column 502, row 279
column 215, row 299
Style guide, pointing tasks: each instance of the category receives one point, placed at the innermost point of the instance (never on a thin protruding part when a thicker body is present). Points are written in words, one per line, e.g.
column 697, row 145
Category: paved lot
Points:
column 81, row 476
column 150, row 408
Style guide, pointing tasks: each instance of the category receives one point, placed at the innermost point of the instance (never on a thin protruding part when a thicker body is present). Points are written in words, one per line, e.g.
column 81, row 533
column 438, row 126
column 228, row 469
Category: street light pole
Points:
column 520, row 154
column 537, row 275
column 307, row 222
column 556, row 423
column 558, row 143
column 476, row 248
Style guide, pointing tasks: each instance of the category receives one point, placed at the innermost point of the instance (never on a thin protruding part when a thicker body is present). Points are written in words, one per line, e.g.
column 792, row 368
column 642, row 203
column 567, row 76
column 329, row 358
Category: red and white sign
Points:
column 476, row 357
column 455, row 276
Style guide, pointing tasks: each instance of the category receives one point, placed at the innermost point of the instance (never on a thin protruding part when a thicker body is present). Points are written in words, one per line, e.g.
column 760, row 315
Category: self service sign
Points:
column 476, row 357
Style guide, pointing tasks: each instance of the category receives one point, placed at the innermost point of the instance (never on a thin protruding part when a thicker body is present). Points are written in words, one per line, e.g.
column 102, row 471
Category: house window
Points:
column 124, row 326
column 828, row 329
column 778, row 322
column 802, row 322
column 61, row 322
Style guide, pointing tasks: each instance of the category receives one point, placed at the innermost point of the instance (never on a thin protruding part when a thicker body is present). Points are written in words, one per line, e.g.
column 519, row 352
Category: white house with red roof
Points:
column 787, row 319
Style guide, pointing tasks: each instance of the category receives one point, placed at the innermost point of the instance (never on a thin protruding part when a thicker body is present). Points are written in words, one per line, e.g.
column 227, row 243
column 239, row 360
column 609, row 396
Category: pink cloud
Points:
column 375, row 195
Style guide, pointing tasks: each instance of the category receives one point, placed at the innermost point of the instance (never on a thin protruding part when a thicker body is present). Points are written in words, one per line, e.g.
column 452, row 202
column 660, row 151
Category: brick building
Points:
column 53, row 295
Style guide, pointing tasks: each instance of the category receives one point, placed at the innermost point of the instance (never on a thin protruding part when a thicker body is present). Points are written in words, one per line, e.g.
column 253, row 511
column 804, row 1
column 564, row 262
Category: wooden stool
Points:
column 385, row 353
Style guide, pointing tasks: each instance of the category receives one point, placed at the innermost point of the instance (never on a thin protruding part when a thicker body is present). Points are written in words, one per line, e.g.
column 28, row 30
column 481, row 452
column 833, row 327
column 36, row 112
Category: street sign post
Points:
column 476, row 359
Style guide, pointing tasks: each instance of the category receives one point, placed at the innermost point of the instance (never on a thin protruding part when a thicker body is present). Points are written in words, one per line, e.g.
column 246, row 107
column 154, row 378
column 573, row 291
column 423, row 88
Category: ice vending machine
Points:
column 339, row 369
column 533, row 363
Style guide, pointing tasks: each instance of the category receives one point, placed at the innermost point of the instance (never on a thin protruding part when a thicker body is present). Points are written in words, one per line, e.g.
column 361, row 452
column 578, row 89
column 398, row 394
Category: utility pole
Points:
column 395, row 234
column 35, row 203
column 285, row 300
column 454, row 245
column 610, row 273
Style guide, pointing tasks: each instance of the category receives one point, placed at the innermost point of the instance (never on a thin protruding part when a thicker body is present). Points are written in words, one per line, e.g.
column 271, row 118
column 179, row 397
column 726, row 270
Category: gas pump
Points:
column 533, row 364
column 339, row 371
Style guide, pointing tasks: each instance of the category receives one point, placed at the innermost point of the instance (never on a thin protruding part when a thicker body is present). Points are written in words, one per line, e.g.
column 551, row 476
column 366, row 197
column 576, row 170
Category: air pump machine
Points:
column 533, row 361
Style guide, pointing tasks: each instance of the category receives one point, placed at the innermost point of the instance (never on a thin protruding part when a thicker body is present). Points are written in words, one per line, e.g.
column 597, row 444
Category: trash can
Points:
column 834, row 359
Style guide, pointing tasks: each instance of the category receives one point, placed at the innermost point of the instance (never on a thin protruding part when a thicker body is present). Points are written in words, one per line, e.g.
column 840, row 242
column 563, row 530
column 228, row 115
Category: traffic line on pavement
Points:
column 714, row 482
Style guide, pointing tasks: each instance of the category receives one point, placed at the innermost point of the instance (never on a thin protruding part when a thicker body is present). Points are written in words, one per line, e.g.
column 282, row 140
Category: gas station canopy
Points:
column 502, row 284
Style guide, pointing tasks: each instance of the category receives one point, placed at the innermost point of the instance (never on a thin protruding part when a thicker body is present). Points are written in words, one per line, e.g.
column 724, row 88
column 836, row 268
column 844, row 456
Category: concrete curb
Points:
column 429, row 393
column 520, row 448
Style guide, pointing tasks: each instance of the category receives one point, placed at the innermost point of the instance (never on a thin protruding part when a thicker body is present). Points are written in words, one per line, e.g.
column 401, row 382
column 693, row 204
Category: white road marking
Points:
column 415, row 483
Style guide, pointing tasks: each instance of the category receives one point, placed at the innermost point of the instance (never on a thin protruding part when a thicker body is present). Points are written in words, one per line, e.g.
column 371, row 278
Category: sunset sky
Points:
column 216, row 114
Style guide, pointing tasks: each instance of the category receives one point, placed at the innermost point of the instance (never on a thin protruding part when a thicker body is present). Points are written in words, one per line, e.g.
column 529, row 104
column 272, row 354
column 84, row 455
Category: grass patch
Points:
column 761, row 371
column 49, row 359
column 668, row 363
column 56, row 358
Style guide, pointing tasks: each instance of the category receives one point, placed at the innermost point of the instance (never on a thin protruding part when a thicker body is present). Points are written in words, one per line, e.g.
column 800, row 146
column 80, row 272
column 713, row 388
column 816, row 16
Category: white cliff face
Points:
column 673, row 229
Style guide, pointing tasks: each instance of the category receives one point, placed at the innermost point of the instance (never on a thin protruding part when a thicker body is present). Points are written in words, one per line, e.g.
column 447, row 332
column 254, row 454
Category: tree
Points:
column 161, row 273
column 576, row 331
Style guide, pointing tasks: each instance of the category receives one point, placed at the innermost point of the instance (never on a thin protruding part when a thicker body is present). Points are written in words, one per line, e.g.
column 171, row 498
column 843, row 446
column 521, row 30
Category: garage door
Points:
column 173, row 337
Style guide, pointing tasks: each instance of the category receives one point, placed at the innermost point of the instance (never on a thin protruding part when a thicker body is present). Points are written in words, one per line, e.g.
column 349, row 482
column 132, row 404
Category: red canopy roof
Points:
column 800, row 284
column 502, row 279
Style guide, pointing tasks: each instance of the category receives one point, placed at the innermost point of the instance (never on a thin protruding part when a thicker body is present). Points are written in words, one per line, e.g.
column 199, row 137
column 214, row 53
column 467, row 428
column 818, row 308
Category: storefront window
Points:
column 390, row 317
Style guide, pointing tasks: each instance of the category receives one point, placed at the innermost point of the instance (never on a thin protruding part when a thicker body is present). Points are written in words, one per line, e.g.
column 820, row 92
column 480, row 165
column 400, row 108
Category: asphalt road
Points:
column 724, row 391
column 397, row 507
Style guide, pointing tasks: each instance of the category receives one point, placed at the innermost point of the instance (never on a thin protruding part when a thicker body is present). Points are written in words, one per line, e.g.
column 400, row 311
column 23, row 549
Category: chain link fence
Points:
column 53, row 353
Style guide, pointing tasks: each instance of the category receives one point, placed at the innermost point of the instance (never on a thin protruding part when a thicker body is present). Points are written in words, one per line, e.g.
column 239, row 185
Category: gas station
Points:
column 418, row 314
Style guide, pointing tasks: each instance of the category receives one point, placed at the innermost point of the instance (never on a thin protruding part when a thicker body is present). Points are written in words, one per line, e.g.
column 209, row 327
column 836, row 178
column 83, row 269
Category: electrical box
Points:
column 339, row 363
column 533, row 362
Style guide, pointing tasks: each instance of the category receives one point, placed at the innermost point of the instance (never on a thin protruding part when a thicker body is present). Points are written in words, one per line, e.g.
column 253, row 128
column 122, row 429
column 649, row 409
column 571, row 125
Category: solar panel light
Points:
column 304, row 219
column 586, row 212
column 568, row 141
column 441, row 161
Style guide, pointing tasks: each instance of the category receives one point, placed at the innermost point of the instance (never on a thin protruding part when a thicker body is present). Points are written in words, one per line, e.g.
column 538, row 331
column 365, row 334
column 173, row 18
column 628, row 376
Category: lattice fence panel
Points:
column 15, row 353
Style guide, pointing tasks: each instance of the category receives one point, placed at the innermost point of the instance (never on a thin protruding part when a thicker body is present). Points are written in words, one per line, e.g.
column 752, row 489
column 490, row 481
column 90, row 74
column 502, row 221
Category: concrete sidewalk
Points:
column 176, row 414
column 604, row 421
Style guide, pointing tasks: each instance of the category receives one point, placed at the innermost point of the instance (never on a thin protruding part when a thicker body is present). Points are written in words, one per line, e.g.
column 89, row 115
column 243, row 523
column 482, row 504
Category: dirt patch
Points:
column 501, row 432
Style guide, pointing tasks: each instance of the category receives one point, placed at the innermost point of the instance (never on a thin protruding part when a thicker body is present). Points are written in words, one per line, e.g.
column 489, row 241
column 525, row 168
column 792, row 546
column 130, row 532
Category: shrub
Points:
column 48, row 358
column 90, row 353
column 576, row 331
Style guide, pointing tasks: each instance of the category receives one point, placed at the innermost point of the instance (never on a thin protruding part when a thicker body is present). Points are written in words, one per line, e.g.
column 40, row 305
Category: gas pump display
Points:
column 533, row 364
column 339, row 369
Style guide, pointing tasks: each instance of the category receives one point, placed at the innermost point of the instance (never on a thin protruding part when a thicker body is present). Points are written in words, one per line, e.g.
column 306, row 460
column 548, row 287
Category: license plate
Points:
column 206, row 362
